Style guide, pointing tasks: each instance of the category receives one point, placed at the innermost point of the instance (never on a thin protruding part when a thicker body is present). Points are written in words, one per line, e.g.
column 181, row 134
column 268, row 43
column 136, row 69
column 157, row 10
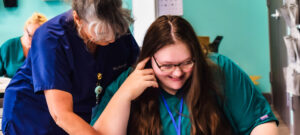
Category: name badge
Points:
column 119, row 67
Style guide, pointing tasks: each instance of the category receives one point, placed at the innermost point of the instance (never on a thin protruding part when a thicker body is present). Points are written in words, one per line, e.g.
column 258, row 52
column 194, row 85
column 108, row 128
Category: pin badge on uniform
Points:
column 98, row 88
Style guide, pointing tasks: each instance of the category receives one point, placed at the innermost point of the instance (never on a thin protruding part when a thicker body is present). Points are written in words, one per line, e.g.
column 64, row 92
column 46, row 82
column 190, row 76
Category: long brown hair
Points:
column 202, row 88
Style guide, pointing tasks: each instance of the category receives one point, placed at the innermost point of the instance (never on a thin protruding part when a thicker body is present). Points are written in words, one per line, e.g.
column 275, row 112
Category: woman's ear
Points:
column 76, row 18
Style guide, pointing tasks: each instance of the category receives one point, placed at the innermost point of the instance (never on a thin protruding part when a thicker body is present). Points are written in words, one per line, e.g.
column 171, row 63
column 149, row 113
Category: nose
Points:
column 177, row 72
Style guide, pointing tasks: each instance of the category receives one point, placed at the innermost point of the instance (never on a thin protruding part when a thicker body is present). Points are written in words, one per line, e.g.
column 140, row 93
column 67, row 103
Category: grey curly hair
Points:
column 105, row 18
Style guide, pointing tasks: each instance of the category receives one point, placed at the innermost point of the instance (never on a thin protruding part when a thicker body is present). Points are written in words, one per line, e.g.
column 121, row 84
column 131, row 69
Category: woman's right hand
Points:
column 138, row 81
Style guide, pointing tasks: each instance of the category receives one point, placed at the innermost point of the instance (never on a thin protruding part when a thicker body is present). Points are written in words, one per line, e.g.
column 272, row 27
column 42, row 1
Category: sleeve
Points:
column 3, row 54
column 244, row 105
column 109, row 92
column 50, row 68
column 2, row 71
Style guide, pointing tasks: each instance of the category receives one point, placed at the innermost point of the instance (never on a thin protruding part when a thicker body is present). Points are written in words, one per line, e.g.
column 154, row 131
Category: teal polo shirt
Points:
column 244, row 106
column 11, row 57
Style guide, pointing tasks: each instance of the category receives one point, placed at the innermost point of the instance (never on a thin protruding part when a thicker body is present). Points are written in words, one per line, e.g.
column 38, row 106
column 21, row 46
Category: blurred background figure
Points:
column 14, row 51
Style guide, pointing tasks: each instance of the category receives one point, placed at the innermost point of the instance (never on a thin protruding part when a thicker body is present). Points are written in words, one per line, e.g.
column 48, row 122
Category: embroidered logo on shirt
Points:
column 264, row 117
column 119, row 67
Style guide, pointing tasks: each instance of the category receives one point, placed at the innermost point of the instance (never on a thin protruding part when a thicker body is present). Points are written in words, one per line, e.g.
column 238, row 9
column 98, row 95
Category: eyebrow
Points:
column 169, row 62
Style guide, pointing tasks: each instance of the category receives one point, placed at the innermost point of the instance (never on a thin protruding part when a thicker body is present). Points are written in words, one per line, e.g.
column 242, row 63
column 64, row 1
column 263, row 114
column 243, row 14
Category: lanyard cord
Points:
column 177, row 126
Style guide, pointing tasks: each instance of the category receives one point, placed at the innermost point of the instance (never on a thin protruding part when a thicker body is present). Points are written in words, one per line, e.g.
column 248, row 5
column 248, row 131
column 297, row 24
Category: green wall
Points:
column 127, row 4
column 13, row 19
column 244, row 25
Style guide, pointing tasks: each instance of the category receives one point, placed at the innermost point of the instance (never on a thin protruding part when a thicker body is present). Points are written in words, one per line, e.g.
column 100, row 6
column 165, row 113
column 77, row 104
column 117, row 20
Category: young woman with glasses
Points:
column 177, row 89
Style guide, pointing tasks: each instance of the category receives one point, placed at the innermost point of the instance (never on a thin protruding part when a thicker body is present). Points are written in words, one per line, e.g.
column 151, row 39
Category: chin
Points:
column 176, row 86
column 103, row 44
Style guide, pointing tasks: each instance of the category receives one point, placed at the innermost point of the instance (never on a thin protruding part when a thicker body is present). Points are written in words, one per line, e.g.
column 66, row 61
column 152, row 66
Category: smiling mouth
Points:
column 176, row 79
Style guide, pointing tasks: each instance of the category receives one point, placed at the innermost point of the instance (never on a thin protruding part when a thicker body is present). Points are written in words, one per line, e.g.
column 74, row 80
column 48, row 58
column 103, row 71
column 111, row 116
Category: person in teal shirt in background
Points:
column 14, row 51
column 177, row 89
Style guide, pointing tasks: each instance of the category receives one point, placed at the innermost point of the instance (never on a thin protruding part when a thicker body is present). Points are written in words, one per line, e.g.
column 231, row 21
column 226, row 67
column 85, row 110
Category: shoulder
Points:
column 114, row 86
column 61, row 20
column 126, row 48
column 220, row 59
column 57, row 26
column 233, row 74
column 227, row 66
column 127, row 37
column 9, row 44
column 128, row 40
column 55, row 31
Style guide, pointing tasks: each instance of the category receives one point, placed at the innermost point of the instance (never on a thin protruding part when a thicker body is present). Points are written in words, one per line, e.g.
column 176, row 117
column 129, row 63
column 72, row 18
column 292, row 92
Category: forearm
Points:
column 268, row 128
column 73, row 124
column 60, row 106
column 114, row 119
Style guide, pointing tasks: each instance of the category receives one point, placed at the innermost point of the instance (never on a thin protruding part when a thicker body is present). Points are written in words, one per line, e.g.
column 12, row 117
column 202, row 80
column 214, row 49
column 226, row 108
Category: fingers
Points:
column 142, row 64
column 149, row 78
column 152, row 84
column 148, row 72
column 150, row 81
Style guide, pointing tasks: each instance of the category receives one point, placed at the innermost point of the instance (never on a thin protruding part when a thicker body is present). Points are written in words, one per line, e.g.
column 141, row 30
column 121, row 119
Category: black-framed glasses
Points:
column 29, row 35
column 184, row 66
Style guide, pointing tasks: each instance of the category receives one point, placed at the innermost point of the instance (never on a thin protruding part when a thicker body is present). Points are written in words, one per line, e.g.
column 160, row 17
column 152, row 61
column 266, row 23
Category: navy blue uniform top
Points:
column 58, row 59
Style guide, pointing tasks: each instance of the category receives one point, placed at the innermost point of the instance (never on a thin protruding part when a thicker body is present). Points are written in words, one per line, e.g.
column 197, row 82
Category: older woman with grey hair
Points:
column 73, row 57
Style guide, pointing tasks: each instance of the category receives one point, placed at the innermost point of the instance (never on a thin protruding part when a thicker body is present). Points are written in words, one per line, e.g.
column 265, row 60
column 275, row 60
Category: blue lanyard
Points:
column 177, row 127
